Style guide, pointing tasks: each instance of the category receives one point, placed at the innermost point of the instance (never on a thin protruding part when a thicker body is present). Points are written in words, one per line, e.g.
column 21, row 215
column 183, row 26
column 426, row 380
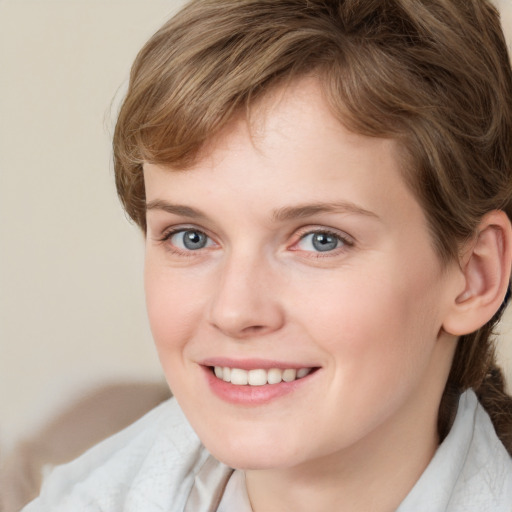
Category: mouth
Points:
column 259, row 376
column 255, row 382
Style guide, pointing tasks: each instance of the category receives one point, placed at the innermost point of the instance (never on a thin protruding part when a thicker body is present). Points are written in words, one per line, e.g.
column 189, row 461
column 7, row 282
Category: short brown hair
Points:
column 433, row 74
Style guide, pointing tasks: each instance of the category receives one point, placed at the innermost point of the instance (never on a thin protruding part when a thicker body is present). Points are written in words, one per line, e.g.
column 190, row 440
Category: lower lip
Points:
column 252, row 395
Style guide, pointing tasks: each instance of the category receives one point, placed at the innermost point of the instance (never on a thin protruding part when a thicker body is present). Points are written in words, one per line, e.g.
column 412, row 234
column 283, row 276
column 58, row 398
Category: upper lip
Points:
column 254, row 363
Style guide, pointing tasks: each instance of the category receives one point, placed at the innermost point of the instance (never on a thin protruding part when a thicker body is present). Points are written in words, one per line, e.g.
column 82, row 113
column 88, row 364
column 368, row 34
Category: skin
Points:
column 368, row 314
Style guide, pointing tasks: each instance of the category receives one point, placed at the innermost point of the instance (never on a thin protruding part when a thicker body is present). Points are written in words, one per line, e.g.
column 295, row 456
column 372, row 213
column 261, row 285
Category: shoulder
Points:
column 148, row 466
column 485, row 482
column 471, row 470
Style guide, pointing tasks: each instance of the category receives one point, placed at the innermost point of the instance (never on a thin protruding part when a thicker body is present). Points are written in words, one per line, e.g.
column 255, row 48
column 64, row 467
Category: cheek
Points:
column 382, row 327
column 379, row 339
column 172, row 305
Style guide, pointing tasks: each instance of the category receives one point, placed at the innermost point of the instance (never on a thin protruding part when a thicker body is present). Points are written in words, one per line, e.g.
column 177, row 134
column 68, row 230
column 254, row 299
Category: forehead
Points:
column 290, row 151
column 291, row 118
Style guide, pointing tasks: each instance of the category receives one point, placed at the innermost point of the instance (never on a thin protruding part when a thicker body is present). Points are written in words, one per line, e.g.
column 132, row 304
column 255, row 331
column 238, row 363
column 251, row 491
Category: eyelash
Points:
column 346, row 242
column 168, row 234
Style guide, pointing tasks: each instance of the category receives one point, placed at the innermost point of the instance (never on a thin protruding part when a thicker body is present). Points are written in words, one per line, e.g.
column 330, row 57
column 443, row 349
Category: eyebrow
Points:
column 280, row 215
column 308, row 210
column 176, row 209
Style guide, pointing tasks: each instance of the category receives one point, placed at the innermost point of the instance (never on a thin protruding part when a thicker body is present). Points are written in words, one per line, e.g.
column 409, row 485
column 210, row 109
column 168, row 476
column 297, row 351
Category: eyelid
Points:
column 347, row 240
column 169, row 232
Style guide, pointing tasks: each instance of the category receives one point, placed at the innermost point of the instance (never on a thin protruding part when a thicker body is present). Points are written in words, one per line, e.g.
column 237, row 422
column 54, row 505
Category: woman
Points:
column 325, row 189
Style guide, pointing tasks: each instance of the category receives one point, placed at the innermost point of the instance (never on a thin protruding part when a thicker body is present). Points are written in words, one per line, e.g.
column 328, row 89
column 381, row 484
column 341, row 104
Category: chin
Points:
column 252, row 453
column 252, row 460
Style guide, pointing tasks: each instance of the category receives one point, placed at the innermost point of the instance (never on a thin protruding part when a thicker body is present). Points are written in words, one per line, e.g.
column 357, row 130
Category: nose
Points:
column 246, row 301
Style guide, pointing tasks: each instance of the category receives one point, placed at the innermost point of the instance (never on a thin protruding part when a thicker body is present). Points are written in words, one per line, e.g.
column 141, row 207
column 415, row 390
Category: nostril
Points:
column 253, row 329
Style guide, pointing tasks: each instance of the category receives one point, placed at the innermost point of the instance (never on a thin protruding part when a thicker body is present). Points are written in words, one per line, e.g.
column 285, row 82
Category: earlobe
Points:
column 486, row 266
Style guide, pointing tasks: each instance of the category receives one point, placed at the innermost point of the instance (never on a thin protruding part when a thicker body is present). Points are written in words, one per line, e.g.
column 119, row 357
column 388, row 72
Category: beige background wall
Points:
column 71, row 302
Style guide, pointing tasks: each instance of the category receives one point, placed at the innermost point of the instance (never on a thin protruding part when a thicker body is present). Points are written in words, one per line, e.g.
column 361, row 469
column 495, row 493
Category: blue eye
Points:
column 320, row 242
column 189, row 239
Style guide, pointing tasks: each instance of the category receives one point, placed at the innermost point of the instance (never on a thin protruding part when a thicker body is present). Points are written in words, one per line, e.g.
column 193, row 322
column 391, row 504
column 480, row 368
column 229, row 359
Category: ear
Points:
column 486, row 264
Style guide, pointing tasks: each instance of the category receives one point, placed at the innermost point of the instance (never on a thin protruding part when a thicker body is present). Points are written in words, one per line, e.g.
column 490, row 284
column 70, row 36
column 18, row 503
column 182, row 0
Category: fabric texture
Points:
column 471, row 470
column 159, row 465
column 235, row 496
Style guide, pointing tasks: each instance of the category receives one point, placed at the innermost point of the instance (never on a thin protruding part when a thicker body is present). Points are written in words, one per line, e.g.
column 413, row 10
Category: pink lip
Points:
column 252, row 395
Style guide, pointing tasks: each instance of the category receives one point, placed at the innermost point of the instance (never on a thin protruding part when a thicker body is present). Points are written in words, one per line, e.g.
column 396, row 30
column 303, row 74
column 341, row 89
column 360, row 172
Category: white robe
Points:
column 159, row 465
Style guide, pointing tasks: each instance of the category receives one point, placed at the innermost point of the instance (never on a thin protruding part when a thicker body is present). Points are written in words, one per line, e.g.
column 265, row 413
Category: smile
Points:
column 259, row 377
column 254, row 382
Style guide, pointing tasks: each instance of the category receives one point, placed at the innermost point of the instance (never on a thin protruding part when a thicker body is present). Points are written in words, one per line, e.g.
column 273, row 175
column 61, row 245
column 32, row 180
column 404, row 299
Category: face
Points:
column 293, row 291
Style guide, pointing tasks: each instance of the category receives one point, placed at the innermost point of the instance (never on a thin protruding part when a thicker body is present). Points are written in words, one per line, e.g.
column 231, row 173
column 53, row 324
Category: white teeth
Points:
column 259, row 377
column 289, row 375
column 239, row 377
column 302, row 372
column 274, row 376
